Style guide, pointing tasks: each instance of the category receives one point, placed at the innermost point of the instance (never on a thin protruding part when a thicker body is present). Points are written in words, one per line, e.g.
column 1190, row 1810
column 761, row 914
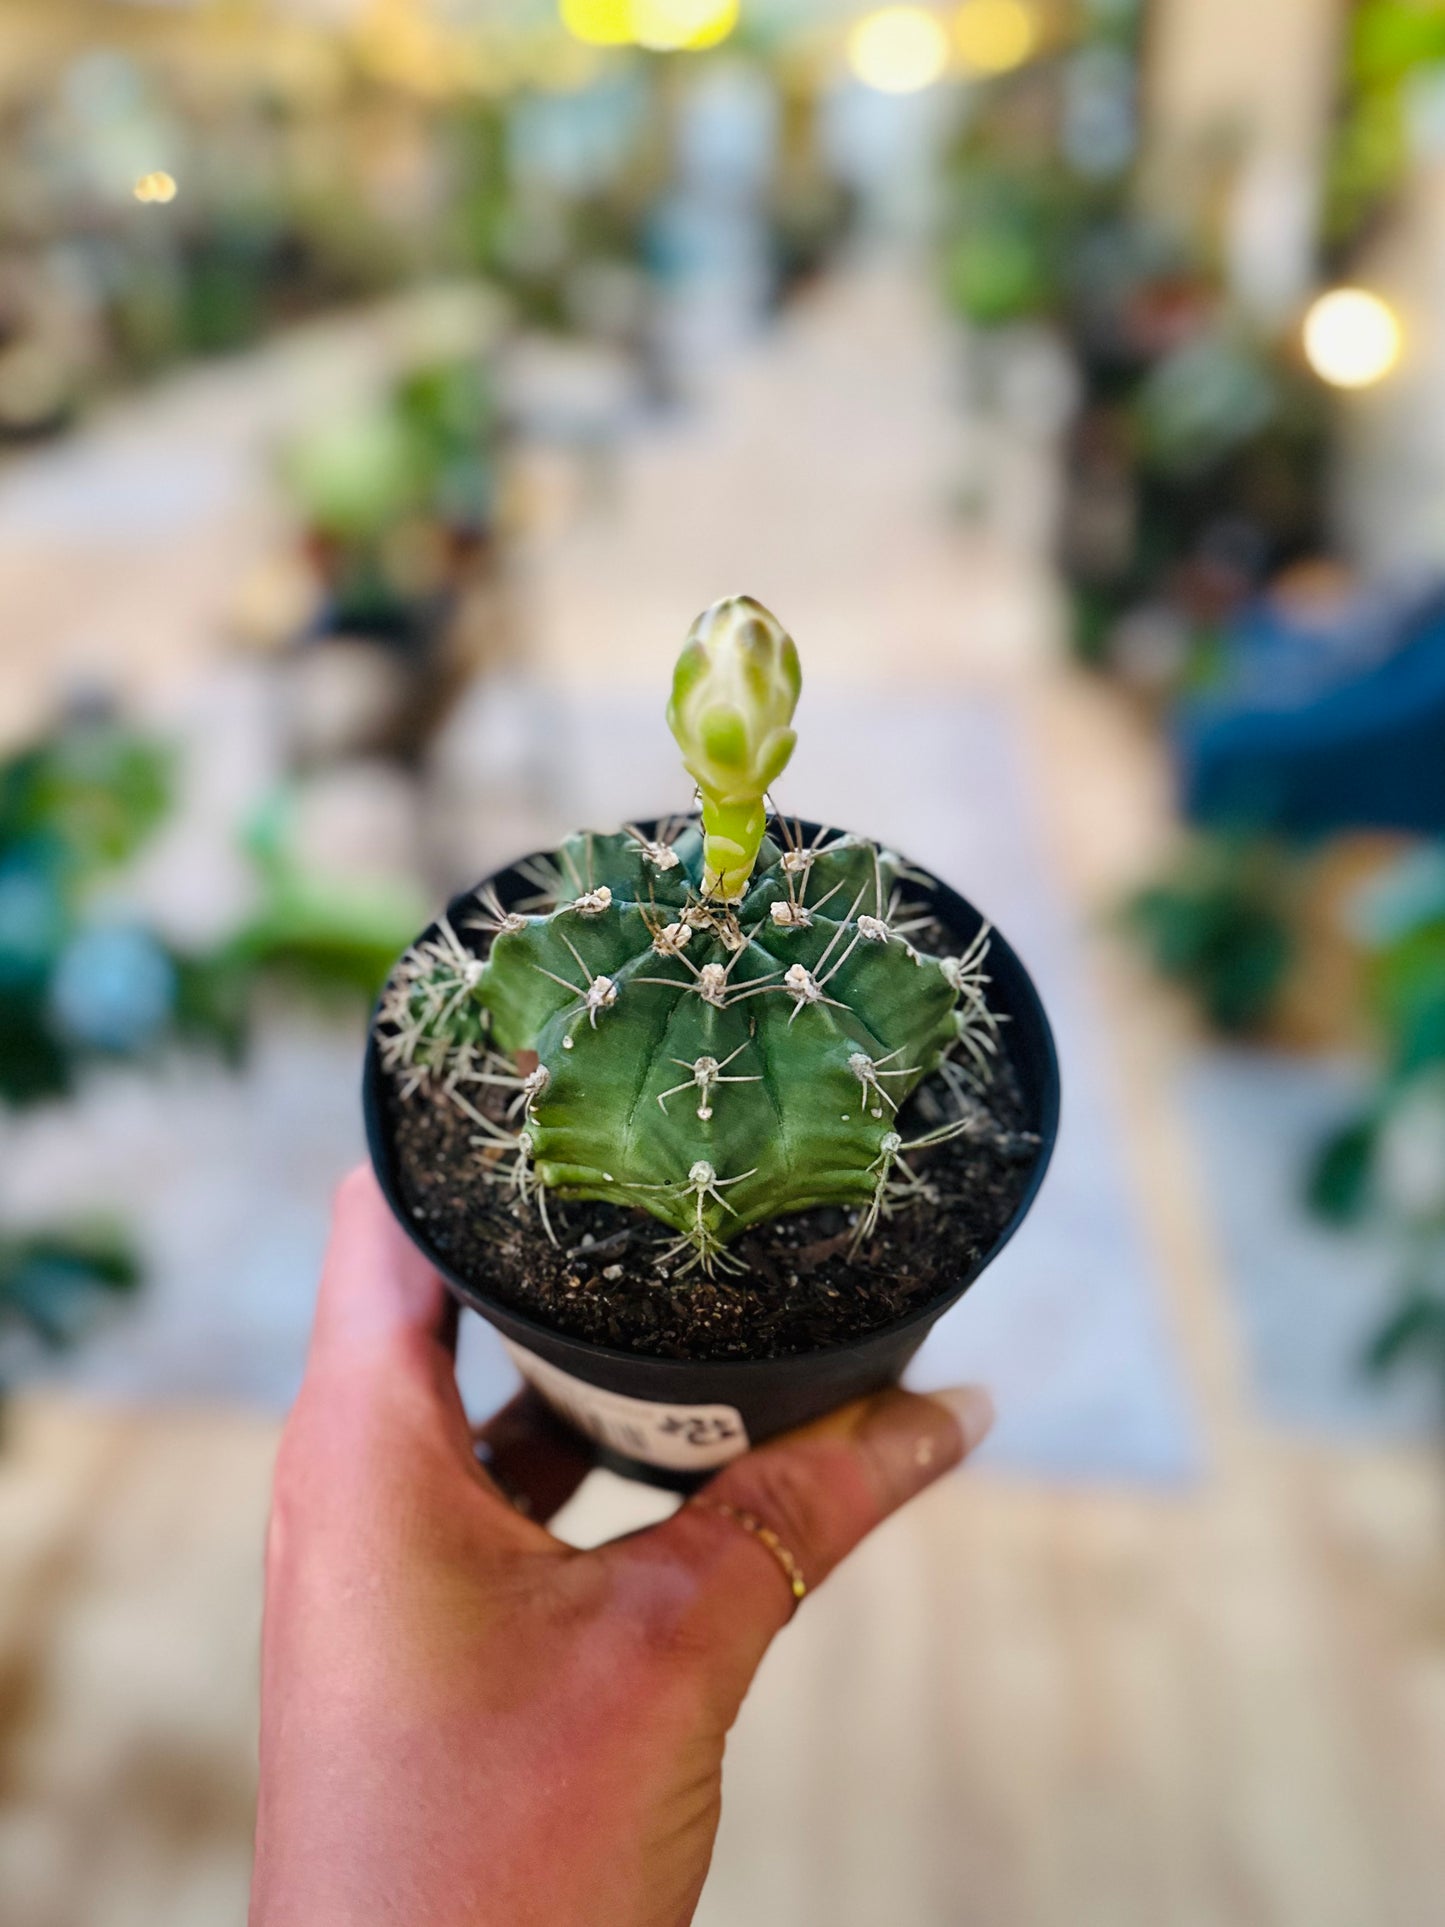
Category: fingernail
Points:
column 972, row 1408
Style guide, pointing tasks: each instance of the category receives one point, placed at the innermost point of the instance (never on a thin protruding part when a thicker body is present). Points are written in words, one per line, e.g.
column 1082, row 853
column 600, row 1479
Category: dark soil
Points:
column 801, row 1292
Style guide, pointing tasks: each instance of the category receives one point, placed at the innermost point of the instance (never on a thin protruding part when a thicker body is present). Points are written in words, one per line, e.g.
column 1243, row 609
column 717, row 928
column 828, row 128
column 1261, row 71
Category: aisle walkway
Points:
column 1023, row 1705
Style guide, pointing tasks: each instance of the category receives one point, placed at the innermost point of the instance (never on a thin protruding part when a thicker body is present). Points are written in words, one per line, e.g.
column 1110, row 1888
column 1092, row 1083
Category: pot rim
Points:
column 380, row 1148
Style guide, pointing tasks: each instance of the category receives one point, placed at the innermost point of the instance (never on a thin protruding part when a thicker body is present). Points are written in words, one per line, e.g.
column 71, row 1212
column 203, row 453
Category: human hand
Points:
column 466, row 1723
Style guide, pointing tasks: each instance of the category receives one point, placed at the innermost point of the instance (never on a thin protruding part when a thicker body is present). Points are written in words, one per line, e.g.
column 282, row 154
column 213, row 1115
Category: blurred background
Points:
column 384, row 386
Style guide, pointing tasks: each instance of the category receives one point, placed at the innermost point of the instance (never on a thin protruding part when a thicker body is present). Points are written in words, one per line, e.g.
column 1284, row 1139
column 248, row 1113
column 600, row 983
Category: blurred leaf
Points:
column 1338, row 1185
column 1415, row 1328
column 52, row 1282
column 1215, row 926
column 91, row 794
column 334, row 938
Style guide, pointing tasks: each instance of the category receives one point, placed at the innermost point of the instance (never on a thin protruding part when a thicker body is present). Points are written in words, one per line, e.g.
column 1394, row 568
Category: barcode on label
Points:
column 677, row 1438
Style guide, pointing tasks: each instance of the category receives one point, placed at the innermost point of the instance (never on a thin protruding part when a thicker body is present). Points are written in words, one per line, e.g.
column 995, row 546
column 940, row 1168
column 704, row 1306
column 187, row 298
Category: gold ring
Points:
column 765, row 1536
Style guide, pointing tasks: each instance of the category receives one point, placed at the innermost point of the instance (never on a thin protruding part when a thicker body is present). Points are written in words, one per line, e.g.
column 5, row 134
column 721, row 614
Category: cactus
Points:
column 719, row 1023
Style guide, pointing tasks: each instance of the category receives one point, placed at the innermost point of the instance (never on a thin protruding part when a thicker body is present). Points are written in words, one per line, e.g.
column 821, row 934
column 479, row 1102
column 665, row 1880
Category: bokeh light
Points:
column 666, row 25
column 994, row 36
column 1352, row 338
column 157, row 186
column 898, row 50
column 662, row 26
column 600, row 23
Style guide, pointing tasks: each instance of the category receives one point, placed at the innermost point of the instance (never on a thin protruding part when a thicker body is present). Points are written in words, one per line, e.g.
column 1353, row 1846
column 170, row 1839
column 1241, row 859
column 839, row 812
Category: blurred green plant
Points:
column 1386, row 1164
column 52, row 1283
column 1218, row 924
column 1394, row 62
column 1015, row 224
column 83, row 980
column 397, row 494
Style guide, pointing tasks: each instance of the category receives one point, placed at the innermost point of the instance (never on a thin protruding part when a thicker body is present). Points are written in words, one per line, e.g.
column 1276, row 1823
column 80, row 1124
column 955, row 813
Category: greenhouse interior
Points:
column 385, row 386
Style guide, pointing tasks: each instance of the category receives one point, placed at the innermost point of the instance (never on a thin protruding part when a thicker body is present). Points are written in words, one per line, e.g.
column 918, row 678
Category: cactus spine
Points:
column 721, row 1022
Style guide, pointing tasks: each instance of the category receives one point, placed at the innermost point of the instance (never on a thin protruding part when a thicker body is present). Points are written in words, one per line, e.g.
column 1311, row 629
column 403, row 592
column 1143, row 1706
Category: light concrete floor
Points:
column 1021, row 1704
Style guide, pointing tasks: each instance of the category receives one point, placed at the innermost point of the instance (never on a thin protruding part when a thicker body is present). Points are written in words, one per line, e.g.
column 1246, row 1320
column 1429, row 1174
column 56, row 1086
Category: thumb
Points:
column 772, row 1525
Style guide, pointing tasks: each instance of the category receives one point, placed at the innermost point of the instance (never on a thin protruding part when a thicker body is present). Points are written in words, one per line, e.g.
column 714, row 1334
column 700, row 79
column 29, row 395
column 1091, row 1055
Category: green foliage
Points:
column 333, row 937
column 387, row 489
column 73, row 808
column 1415, row 1329
column 1386, row 1166
column 79, row 982
column 1217, row 925
column 1013, row 229
column 1338, row 1187
column 52, row 1281
column 1391, row 43
column 355, row 475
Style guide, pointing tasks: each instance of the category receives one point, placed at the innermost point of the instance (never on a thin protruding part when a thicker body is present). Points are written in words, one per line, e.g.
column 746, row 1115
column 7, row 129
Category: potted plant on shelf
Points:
column 714, row 1116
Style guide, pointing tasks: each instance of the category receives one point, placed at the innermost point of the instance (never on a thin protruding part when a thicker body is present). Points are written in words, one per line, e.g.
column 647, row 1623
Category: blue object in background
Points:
column 1315, row 734
column 114, row 989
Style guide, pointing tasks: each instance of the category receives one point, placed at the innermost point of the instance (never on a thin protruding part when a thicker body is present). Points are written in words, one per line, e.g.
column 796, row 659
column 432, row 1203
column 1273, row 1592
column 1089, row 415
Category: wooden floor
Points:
column 1019, row 1706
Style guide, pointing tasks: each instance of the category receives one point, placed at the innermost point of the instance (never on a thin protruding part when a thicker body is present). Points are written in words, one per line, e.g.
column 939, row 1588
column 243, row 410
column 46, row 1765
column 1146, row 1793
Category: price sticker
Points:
column 676, row 1438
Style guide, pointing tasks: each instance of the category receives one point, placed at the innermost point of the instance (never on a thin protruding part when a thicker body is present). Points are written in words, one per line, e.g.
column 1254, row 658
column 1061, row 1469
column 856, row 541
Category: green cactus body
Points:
column 716, row 1043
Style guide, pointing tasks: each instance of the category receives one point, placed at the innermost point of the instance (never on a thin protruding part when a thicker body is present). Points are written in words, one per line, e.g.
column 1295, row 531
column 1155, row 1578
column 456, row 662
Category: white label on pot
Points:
column 679, row 1438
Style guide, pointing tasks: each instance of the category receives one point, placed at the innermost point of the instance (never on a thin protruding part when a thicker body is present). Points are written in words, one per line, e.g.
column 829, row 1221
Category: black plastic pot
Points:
column 670, row 1421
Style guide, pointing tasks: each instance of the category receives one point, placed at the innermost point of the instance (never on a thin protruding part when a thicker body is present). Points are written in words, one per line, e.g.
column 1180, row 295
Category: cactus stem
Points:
column 546, row 878
column 711, row 981
column 582, row 888
column 804, row 989
column 965, row 973
column 717, row 918
column 592, row 903
column 880, row 1171
column 869, row 1071
column 798, row 857
column 658, row 851
column 821, row 964
column 790, row 915
column 495, row 918
column 706, row 1187
column 450, row 950
column 707, row 1251
column 668, row 939
column 707, row 1072
column 533, row 1085
column 826, row 898
column 895, row 1182
column 598, row 993
column 796, row 913
column 434, row 981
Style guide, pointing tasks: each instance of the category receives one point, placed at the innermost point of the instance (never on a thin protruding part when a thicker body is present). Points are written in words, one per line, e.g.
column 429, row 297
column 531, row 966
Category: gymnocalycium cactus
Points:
column 717, row 1024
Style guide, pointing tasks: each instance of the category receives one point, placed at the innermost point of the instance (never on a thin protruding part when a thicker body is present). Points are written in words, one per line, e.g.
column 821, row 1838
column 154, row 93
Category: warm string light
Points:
column 1352, row 338
column 599, row 23
column 661, row 26
column 156, row 187
column 898, row 50
column 995, row 36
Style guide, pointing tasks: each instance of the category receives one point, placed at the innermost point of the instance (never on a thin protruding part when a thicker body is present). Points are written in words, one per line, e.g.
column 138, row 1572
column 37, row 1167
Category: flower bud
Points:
column 734, row 691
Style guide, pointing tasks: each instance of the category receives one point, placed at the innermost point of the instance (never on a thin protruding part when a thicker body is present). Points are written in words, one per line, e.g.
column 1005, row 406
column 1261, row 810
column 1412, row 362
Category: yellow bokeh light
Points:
column 993, row 36
column 158, row 186
column 898, row 50
column 600, row 23
column 1352, row 338
column 667, row 25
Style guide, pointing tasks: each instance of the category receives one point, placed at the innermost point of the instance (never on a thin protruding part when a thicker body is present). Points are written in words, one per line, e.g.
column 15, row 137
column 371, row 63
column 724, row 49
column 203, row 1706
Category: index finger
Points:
column 379, row 1298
